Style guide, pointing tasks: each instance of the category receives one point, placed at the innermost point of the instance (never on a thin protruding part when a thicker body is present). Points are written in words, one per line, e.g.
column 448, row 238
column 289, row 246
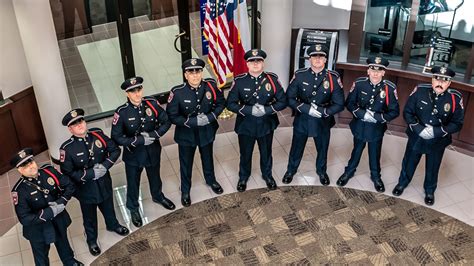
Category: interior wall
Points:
column 321, row 14
column 14, row 73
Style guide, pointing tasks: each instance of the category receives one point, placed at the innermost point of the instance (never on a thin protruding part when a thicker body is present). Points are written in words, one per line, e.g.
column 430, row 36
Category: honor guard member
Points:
column 373, row 102
column 315, row 94
column 194, row 107
column 433, row 113
column 256, row 97
column 137, row 126
column 86, row 158
column 39, row 198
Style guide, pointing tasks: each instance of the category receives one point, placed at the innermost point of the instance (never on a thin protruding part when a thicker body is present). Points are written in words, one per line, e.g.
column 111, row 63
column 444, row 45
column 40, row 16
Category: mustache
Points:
column 438, row 86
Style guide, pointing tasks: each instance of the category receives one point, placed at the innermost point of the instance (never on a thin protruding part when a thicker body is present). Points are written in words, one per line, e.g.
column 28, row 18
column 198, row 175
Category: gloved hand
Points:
column 202, row 119
column 258, row 110
column 313, row 111
column 427, row 132
column 148, row 140
column 99, row 171
column 56, row 208
column 369, row 117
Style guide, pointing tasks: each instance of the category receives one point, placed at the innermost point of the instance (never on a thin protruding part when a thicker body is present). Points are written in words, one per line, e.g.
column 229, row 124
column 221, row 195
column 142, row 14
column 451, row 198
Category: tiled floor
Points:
column 455, row 195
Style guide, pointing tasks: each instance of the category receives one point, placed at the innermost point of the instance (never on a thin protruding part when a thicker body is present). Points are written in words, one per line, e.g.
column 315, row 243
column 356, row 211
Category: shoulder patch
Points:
column 455, row 92
column 62, row 155
column 15, row 198
column 116, row 118
column 335, row 73
column 170, row 97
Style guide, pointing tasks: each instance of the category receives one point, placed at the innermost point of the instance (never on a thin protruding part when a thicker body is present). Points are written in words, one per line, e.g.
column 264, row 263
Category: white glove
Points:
column 202, row 120
column 148, row 140
column 314, row 112
column 258, row 110
column 369, row 117
column 56, row 208
column 99, row 171
column 427, row 132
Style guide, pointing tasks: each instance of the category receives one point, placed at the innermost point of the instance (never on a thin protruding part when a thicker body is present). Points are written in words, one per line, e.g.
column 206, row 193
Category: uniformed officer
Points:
column 373, row 101
column 256, row 97
column 194, row 107
column 40, row 197
column 433, row 113
column 86, row 158
column 315, row 94
column 137, row 126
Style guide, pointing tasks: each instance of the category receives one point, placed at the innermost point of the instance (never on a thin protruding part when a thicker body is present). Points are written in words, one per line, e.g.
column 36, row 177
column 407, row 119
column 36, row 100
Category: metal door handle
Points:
column 177, row 36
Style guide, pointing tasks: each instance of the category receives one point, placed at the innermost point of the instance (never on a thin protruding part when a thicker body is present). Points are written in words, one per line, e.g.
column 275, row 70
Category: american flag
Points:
column 217, row 32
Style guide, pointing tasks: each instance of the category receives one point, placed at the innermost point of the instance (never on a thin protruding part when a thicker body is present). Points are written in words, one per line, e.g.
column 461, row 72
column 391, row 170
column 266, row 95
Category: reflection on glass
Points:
column 87, row 37
column 450, row 20
column 385, row 26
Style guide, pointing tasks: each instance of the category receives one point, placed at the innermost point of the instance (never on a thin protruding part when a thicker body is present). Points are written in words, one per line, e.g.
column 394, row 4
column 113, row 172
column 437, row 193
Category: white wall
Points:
column 322, row 14
column 14, row 73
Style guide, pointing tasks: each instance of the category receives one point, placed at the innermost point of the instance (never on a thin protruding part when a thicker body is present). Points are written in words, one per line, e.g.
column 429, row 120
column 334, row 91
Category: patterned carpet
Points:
column 300, row 225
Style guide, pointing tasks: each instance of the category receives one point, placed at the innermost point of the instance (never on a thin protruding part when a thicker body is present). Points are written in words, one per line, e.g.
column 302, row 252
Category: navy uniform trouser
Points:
column 133, row 184
column 41, row 250
column 186, row 159
column 375, row 150
column 89, row 218
column 246, row 144
column 298, row 143
column 432, row 165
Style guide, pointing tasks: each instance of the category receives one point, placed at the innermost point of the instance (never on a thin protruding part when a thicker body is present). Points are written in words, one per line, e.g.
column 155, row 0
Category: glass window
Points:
column 385, row 26
column 444, row 33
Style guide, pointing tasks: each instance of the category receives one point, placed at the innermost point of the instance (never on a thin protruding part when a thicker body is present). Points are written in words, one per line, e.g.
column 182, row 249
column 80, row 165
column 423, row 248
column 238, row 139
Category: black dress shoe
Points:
column 271, row 184
column 94, row 249
column 429, row 199
column 343, row 179
column 121, row 230
column 379, row 186
column 77, row 263
column 398, row 190
column 216, row 187
column 287, row 178
column 166, row 203
column 136, row 218
column 324, row 179
column 186, row 199
column 241, row 186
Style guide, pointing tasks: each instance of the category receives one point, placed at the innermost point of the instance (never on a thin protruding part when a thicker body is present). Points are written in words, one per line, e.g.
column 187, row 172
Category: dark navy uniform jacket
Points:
column 245, row 92
column 323, row 89
column 31, row 197
column 185, row 103
column 130, row 120
column 444, row 112
column 78, row 157
column 381, row 98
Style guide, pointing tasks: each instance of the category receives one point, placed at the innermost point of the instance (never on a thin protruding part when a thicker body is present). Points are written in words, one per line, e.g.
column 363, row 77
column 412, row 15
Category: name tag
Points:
column 34, row 192
column 305, row 83
column 79, row 154
column 131, row 118
column 246, row 89
column 424, row 102
column 363, row 92
column 187, row 101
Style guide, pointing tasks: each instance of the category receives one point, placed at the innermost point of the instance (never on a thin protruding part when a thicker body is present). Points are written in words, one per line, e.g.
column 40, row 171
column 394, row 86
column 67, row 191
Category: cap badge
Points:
column 193, row 62
column 22, row 154
column 443, row 70
column 255, row 52
column 133, row 81
column 318, row 47
column 73, row 113
column 378, row 60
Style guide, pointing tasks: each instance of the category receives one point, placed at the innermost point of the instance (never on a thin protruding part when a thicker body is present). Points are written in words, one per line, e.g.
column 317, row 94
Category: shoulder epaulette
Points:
column 271, row 73
column 240, row 76
column 301, row 70
column 150, row 98
column 96, row 129
column 17, row 184
column 389, row 83
column 210, row 80
column 67, row 142
column 121, row 107
column 361, row 79
column 333, row 72
column 46, row 165
column 425, row 85
column 455, row 92
column 178, row 87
